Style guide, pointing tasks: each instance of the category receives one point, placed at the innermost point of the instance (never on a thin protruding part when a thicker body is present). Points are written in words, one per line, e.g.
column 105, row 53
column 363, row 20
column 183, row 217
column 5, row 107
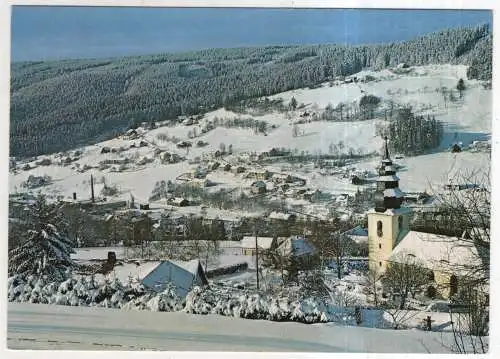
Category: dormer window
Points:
column 379, row 229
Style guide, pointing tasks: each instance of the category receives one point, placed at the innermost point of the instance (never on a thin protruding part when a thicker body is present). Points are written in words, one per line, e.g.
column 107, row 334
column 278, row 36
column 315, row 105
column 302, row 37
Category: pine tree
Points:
column 45, row 249
column 461, row 87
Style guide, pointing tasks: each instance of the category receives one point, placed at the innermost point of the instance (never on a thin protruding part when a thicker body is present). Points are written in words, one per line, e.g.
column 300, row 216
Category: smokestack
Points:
column 92, row 188
column 74, row 196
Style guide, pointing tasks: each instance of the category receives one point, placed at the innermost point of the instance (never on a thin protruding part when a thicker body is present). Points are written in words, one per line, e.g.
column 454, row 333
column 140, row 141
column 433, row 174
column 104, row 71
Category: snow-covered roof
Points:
column 262, row 242
column 259, row 184
column 393, row 192
column 437, row 252
column 184, row 275
column 178, row 200
column 280, row 215
column 388, row 178
column 357, row 231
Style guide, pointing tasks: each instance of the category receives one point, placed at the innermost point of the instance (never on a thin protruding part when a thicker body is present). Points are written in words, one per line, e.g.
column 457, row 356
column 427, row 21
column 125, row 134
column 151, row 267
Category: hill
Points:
column 56, row 106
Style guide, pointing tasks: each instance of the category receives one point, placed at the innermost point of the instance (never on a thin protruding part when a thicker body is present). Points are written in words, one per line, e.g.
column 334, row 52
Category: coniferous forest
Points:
column 413, row 135
column 59, row 105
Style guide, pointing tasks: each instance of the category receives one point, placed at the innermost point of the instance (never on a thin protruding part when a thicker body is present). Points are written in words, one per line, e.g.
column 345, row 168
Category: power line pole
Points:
column 256, row 256
column 92, row 188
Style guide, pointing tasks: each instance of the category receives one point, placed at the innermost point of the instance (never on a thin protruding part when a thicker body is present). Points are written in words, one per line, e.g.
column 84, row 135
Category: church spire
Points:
column 388, row 195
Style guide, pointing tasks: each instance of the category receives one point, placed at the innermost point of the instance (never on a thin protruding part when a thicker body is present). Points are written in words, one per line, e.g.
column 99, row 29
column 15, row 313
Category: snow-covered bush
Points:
column 228, row 302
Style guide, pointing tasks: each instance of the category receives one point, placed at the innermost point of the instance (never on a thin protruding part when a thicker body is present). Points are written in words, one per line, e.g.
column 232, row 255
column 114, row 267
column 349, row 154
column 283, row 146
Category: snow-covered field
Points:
column 38, row 326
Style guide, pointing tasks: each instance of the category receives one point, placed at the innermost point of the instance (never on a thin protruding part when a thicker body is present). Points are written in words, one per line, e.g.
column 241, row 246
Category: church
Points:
column 390, row 238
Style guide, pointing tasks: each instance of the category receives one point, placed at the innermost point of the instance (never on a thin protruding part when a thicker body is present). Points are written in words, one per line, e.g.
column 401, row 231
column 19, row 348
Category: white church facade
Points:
column 390, row 238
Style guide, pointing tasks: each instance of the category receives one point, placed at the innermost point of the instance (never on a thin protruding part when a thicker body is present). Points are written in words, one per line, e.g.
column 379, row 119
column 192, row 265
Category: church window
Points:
column 380, row 264
column 379, row 228
column 379, row 246
column 453, row 285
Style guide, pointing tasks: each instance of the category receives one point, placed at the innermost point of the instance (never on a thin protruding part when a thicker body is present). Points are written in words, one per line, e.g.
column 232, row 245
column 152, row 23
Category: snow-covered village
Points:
column 284, row 198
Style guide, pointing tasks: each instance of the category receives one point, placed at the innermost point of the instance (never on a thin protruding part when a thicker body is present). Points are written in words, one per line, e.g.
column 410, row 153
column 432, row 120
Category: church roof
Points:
column 437, row 252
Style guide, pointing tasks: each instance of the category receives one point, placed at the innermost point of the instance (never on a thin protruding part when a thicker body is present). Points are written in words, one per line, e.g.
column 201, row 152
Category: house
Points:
column 357, row 234
column 390, row 239
column 259, row 175
column 188, row 121
column 238, row 169
column 183, row 275
column 298, row 181
column 199, row 172
column 258, row 187
column 178, row 201
column 280, row 216
column 184, row 144
column 312, row 195
column 294, row 247
column 248, row 246
column 281, row 178
column 200, row 182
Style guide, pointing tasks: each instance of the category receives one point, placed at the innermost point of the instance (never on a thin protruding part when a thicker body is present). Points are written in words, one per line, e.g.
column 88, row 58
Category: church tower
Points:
column 388, row 222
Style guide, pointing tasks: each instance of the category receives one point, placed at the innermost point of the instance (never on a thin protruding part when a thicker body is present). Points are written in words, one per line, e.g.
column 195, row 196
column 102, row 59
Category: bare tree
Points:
column 399, row 316
column 469, row 315
column 405, row 275
column 331, row 243
column 372, row 281
column 466, row 205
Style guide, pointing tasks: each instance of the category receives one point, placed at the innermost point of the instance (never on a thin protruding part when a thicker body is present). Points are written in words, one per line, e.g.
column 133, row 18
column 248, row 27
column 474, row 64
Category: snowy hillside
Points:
column 465, row 120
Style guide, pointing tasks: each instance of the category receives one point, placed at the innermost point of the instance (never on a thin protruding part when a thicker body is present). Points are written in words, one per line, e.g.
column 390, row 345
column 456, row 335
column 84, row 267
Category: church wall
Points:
column 380, row 254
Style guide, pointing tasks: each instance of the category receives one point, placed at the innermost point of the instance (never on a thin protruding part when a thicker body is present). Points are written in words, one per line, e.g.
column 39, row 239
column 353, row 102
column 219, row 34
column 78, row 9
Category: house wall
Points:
column 248, row 252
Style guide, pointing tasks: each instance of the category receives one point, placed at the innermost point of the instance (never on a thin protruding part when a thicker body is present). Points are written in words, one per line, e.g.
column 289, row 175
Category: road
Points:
column 38, row 326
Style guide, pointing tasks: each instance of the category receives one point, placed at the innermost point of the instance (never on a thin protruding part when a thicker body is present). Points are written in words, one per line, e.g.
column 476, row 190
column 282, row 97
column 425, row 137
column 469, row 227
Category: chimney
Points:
column 92, row 188
column 74, row 196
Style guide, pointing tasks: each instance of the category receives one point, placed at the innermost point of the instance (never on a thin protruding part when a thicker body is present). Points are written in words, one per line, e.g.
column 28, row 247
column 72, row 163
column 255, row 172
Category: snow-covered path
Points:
column 38, row 326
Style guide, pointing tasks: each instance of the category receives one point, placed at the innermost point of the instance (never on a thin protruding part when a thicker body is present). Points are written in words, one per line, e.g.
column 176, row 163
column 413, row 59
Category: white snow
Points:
column 99, row 328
